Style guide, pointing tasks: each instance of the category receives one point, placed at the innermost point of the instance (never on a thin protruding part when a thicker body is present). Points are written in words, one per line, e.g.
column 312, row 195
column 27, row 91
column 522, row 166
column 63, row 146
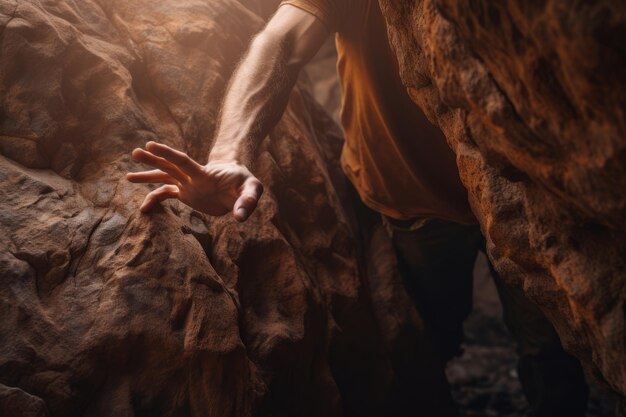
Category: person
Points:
column 398, row 162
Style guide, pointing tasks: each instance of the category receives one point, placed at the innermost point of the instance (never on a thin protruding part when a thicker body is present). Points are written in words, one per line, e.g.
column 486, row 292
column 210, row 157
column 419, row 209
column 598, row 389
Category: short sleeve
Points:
column 332, row 13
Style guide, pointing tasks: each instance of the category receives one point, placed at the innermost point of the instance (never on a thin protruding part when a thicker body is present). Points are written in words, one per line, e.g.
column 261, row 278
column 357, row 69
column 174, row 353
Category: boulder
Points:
column 110, row 312
column 531, row 98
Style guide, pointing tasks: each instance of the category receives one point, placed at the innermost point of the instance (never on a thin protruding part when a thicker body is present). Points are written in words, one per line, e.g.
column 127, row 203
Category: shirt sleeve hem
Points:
column 312, row 10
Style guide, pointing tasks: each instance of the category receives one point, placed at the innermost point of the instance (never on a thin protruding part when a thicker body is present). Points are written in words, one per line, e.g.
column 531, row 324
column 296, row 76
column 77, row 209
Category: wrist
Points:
column 217, row 156
column 223, row 160
column 231, row 149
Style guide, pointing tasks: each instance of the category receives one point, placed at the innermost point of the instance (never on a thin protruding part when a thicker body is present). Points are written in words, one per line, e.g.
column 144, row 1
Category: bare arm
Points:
column 259, row 90
column 255, row 101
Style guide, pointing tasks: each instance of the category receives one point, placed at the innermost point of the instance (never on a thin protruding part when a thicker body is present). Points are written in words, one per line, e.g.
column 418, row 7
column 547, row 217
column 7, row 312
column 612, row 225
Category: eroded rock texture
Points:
column 108, row 312
column 531, row 97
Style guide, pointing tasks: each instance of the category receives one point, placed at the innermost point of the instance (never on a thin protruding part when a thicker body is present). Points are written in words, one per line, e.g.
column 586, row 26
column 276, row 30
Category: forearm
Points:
column 254, row 102
column 256, row 99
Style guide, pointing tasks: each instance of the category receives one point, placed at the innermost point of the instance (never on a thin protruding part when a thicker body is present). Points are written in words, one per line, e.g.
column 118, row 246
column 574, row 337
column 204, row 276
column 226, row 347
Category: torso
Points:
column 400, row 163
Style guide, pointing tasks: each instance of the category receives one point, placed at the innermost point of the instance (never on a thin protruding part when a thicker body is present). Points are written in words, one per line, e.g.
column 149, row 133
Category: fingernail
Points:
column 242, row 214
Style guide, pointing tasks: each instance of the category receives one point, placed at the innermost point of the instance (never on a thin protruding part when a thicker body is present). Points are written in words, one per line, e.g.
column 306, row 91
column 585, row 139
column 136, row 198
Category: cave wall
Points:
column 110, row 312
column 531, row 98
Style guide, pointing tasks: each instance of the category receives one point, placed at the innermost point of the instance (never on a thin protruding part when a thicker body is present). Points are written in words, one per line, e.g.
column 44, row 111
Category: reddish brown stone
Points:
column 109, row 312
column 531, row 98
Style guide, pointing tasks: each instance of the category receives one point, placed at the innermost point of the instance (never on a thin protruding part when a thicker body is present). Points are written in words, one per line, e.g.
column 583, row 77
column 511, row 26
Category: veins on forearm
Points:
column 256, row 98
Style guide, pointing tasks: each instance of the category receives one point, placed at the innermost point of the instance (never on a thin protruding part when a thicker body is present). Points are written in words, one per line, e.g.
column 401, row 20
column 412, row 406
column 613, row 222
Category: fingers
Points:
column 180, row 159
column 251, row 191
column 146, row 157
column 156, row 175
column 162, row 193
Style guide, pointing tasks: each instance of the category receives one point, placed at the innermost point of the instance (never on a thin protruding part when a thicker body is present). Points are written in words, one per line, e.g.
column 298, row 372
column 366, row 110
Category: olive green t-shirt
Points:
column 400, row 163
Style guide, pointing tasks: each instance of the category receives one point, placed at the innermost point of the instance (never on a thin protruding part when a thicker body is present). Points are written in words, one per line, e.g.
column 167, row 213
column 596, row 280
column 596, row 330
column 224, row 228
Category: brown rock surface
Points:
column 108, row 312
column 531, row 97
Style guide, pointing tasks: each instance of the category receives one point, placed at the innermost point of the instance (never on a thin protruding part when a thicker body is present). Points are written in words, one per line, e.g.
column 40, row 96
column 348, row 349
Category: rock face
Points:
column 531, row 98
column 108, row 312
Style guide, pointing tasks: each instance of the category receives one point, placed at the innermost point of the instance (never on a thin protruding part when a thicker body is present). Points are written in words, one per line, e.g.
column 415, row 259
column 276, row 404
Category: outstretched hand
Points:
column 215, row 188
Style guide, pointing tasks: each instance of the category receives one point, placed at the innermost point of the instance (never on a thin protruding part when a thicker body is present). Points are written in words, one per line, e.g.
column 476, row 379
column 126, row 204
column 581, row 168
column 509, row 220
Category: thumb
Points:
column 248, row 198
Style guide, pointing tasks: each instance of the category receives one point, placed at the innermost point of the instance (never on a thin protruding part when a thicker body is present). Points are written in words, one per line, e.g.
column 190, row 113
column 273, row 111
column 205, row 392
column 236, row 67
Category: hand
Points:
column 215, row 188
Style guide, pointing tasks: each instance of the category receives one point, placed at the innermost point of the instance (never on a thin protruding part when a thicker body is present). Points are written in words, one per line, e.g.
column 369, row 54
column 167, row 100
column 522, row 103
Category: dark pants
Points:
column 437, row 260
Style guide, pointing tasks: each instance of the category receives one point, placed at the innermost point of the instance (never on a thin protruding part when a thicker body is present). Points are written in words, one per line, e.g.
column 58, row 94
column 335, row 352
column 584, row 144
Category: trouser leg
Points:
column 437, row 261
column 552, row 380
column 418, row 385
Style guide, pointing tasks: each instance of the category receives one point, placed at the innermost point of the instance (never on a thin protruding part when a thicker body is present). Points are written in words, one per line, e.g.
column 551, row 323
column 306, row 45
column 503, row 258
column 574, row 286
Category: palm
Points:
column 215, row 188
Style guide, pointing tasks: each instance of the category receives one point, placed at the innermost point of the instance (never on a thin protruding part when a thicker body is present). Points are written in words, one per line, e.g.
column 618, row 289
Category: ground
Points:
column 484, row 379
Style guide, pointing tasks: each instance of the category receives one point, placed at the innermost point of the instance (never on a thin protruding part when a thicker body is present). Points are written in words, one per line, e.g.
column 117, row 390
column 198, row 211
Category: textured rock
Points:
column 108, row 312
column 531, row 98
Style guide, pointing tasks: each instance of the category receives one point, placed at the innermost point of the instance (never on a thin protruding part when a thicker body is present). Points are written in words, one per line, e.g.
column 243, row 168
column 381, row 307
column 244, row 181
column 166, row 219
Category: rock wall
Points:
column 109, row 312
column 531, row 98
